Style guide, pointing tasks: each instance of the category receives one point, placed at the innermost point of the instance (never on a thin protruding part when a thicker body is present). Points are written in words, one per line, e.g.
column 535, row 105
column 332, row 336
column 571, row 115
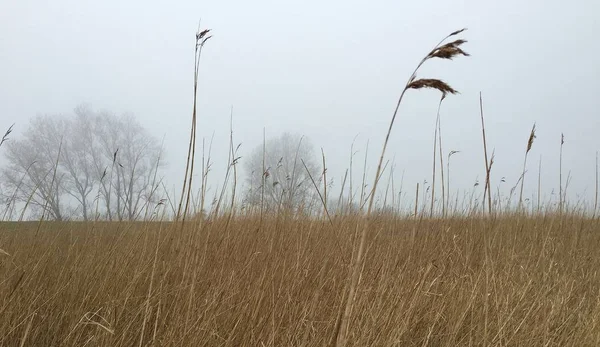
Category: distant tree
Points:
column 61, row 162
column 283, row 182
column 126, row 156
column 31, row 162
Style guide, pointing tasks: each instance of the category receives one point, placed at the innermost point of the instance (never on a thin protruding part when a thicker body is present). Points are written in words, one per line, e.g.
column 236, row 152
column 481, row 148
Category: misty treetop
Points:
column 82, row 166
column 277, row 179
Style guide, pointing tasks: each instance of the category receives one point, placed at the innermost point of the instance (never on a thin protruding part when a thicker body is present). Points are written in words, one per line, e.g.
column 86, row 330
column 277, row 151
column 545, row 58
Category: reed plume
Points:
column 443, row 51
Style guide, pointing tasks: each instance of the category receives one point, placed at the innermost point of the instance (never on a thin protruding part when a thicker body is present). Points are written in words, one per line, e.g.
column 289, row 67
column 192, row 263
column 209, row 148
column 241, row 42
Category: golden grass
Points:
column 293, row 280
column 444, row 282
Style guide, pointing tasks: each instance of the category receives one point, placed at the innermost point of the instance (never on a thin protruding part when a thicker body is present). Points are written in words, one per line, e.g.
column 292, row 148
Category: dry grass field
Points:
column 513, row 281
column 495, row 276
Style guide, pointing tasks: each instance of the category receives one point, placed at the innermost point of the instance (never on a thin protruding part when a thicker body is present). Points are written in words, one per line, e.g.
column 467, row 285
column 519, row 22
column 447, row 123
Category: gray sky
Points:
column 328, row 70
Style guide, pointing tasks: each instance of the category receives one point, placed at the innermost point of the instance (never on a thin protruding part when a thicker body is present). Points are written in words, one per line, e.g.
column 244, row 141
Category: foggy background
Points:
column 331, row 71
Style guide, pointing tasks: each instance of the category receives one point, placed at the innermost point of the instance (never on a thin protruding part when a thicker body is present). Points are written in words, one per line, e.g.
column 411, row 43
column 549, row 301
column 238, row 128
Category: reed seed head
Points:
column 531, row 138
column 201, row 38
column 452, row 153
column 448, row 50
column 202, row 34
column 5, row 137
column 457, row 32
column 434, row 84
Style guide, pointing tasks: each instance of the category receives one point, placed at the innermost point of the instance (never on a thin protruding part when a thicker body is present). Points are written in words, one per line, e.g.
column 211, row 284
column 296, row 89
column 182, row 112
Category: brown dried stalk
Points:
column 529, row 145
column 596, row 195
column 201, row 38
column 435, row 137
column 560, row 185
column 341, row 333
column 487, row 191
column 448, row 178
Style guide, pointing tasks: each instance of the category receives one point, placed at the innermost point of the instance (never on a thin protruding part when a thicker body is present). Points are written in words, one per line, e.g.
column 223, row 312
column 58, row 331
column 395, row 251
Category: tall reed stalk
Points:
column 435, row 137
column 448, row 177
column 539, row 192
column 529, row 145
column 560, row 185
column 443, row 51
column 487, row 190
column 186, row 190
column 596, row 190
column 442, row 166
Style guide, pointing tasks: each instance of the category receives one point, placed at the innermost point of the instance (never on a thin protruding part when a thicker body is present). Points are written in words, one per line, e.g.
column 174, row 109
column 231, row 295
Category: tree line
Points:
column 83, row 166
column 96, row 165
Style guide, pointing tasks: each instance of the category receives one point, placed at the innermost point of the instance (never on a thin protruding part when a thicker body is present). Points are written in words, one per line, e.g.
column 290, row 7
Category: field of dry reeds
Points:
column 487, row 277
column 452, row 282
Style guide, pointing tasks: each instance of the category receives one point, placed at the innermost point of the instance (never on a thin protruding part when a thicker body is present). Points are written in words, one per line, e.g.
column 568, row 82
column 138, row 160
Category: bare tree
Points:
column 285, row 182
column 62, row 160
column 138, row 159
column 125, row 159
column 31, row 167
column 77, row 163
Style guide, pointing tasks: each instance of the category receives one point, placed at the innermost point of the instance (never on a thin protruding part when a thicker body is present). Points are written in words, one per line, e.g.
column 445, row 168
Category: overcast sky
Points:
column 330, row 70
